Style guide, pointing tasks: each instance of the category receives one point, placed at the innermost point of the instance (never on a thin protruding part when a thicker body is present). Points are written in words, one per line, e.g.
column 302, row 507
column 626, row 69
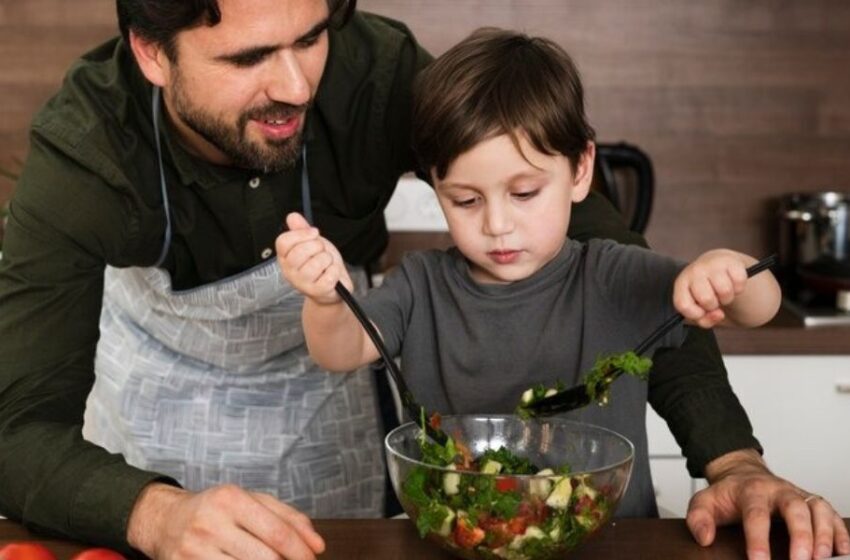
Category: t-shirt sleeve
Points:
column 390, row 305
column 638, row 286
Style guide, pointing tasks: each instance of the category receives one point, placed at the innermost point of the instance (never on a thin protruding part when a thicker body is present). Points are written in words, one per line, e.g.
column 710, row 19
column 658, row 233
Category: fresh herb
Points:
column 415, row 487
column 598, row 380
column 511, row 463
column 432, row 452
column 431, row 518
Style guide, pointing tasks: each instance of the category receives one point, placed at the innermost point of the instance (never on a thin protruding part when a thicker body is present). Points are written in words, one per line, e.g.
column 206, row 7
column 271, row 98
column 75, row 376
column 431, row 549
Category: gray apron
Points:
column 214, row 385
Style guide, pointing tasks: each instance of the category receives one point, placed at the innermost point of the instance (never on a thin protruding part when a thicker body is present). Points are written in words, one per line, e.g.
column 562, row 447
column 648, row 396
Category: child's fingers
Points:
column 684, row 302
column 295, row 221
column 724, row 288
column 711, row 318
column 304, row 242
column 703, row 293
column 738, row 276
column 316, row 266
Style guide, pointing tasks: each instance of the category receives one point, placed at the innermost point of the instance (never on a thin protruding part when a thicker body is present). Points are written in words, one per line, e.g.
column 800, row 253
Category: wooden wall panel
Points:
column 735, row 101
column 38, row 41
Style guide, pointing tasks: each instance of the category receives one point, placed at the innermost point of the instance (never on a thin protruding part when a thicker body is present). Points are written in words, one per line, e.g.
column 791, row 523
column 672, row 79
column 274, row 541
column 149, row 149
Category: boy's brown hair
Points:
column 498, row 82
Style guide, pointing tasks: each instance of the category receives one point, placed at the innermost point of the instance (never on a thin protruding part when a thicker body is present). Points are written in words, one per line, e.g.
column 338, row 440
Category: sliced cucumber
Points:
column 532, row 532
column 560, row 496
column 491, row 467
column 541, row 486
column 451, row 481
column 446, row 528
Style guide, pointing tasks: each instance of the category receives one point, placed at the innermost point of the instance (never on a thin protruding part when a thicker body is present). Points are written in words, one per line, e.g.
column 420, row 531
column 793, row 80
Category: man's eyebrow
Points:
column 261, row 51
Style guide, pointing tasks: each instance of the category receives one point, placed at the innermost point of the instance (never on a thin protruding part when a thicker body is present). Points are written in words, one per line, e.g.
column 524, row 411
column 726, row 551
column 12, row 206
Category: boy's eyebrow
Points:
column 516, row 176
column 263, row 50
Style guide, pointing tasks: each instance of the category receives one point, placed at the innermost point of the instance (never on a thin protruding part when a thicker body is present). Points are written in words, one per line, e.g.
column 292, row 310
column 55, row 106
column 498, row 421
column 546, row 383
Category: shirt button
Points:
column 266, row 253
column 254, row 182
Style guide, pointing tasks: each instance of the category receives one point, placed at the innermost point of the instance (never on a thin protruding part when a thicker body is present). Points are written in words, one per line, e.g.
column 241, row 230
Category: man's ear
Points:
column 584, row 173
column 151, row 59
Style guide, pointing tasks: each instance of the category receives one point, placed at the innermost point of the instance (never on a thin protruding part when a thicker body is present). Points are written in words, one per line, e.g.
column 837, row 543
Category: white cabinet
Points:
column 800, row 410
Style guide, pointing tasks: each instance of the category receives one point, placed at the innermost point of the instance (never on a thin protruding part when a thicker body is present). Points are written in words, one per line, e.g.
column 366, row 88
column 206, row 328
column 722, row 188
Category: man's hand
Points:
column 742, row 489
column 221, row 522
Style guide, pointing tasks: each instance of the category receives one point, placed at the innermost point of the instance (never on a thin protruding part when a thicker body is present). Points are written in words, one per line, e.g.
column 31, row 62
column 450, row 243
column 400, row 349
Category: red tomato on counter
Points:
column 98, row 554
column 25, row 551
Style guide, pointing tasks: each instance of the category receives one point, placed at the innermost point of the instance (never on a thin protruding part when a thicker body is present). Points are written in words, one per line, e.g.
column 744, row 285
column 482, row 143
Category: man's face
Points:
column 238, row 91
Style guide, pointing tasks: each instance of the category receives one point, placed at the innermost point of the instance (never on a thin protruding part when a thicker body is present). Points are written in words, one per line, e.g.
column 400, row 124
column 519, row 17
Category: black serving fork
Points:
column 578, row 396
column 411, row 406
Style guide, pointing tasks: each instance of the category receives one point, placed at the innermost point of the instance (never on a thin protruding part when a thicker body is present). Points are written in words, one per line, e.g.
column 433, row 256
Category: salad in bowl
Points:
column 506, row 488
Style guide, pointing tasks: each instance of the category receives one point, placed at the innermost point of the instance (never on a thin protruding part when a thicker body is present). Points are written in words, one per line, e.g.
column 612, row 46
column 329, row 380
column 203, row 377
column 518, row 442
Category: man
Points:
column 139, row 248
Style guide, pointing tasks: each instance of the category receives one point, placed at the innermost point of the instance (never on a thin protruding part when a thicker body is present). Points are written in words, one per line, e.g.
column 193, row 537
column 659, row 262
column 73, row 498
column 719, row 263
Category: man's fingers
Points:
column 798, row 518
column 700, row 519
column 823, row 522
column 267, row 535
column 755, row 515
column 300, row 522
column 842, row 536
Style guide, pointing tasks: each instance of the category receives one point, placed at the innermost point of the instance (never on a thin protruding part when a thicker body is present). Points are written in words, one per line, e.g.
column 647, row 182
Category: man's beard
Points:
column 268, row 156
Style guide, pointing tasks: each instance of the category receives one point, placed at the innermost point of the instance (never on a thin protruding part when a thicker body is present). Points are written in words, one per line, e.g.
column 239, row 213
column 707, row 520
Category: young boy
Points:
column 500, row 128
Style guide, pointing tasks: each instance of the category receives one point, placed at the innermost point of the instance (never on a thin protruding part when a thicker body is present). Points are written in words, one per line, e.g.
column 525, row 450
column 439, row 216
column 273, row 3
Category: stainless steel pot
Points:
column 814, row 241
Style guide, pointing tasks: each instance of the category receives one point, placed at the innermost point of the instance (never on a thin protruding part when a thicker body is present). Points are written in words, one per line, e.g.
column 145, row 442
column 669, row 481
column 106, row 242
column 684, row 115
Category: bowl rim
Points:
column 629, row 458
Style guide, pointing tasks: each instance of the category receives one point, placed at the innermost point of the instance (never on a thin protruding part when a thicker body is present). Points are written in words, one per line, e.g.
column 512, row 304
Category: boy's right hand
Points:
column 310, row 262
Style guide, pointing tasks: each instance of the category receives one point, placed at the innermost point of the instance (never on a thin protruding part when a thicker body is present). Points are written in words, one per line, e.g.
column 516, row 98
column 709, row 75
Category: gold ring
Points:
column 812, row 497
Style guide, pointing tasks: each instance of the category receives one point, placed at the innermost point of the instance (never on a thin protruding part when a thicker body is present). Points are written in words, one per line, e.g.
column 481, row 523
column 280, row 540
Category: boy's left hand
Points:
column 708, row 284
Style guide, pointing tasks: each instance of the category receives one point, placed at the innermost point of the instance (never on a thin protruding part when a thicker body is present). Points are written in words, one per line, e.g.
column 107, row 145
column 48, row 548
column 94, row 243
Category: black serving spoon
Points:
column 414, row 409
column 578, row 396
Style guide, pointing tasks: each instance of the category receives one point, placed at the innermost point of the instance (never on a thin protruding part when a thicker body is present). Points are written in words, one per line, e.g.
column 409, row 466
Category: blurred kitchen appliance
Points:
column 814, row 256
column 625, row 176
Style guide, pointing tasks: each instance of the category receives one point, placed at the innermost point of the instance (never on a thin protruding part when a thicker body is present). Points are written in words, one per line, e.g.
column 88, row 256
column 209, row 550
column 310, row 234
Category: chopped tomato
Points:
column 497, row 531
column 26, row 551
column 98, row 554
column 534, row 510
column 517, row 525
column 467, row 535
column 584, row 504
column 466, row 460
column 506, row 484
column 435, row 420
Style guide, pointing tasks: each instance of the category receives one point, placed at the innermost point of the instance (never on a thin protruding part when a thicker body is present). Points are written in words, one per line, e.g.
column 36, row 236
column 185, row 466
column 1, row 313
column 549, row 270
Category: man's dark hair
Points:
column 159, row 21
column 498, row 82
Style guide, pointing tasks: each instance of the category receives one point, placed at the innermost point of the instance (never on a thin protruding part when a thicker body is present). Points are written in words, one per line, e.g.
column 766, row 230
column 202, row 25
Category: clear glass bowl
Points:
column 516, row 517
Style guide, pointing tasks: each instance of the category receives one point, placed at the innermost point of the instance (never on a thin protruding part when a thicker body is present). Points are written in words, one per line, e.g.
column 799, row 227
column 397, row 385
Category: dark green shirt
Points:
column 90, row 196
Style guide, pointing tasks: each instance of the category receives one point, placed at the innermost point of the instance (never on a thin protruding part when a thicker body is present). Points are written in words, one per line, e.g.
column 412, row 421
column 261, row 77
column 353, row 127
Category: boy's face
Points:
column 509, row 214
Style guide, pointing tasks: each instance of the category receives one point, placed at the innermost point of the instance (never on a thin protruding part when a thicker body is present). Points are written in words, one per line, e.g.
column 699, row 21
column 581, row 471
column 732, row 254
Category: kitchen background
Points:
column 736, row 103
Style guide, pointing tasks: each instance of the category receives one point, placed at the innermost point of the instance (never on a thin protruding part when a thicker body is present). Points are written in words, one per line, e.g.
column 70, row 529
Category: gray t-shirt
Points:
column 468, row 348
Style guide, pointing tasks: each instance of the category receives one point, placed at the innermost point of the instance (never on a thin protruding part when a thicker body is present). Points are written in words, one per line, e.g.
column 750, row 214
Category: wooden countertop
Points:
column 391, row 539
column 785, row 334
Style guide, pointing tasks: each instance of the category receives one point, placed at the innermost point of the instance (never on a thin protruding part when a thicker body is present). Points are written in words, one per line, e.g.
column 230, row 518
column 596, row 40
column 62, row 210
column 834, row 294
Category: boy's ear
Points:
column 151, row 59
column 584, row 173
